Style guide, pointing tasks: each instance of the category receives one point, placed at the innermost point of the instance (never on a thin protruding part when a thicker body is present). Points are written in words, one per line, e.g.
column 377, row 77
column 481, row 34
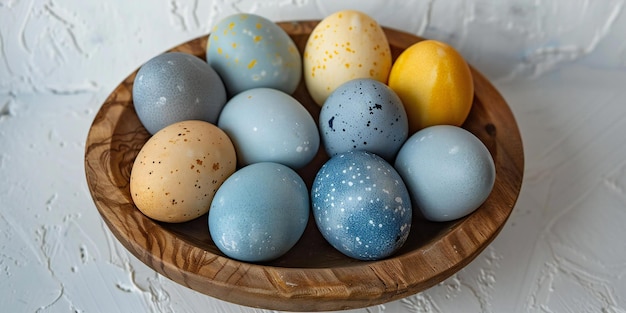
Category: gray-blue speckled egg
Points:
column 449, row 172
column 174, row 87
column 259, row 212
column 363, row 114
column 361, row 205
column 250, row 51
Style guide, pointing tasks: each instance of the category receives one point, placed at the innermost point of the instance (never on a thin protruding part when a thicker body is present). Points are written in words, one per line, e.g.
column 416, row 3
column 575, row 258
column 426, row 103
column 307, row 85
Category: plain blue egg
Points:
column 174, row 87
column 361, row 205
column 363, row 114
column 268, row 125
column 250, row 51
column 259, row 212
column 448, row 171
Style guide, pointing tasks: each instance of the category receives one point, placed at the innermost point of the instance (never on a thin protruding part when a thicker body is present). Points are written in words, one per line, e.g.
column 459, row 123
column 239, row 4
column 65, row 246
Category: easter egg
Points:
column 259, row 213
column 345, row 45
column 363, row 114
column 174, row 87
column 268, row 125
column 179, row 169
column 361, row 205
column 249, row 51
column 449, row 172
column 435, row 85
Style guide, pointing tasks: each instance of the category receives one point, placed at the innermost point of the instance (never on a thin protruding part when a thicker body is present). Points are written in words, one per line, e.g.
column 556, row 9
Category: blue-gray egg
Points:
column 361, row 205
column 259, row 212
column 363, row 114
column 449, row 172
column 250, row 51
column 174, row 87
column 268, row 125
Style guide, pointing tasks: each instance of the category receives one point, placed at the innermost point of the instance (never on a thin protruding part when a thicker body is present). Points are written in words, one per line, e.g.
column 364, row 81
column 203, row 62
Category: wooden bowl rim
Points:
column 317, row 296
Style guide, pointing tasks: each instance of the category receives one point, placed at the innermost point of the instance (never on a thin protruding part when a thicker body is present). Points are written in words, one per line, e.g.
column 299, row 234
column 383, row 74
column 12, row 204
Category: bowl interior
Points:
column 185, row 252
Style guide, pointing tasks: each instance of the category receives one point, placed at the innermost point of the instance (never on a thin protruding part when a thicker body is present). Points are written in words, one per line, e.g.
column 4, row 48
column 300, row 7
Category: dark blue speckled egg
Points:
column 174, row 87
column 361, row 205
column 363, row 114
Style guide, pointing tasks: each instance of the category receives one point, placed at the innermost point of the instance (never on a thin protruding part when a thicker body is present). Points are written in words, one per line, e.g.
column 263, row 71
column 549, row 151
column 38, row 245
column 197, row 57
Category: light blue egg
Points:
column 448, row 171
column 361, row 205
column 175, row 87
column 363, row 114
column 268, row 125
column 250, row 51
column 259, row 212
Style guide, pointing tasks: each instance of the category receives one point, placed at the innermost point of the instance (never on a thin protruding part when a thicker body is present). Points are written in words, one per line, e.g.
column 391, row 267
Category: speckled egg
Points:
column 268, row 125
column 345, row 45
column 361, row 205
column 174, row 87
column 363, row 114
column 250, row 51
column 179, row 169
column 259, row 213
column 448, row 171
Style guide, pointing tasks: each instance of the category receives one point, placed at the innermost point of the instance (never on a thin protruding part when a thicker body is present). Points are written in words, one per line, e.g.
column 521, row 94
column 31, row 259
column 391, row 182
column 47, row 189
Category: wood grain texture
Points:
column 312, row 276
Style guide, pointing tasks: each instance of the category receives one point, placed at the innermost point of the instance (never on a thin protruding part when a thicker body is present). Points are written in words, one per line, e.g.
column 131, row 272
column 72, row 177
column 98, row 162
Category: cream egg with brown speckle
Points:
column 177, row 172
column 345, row 45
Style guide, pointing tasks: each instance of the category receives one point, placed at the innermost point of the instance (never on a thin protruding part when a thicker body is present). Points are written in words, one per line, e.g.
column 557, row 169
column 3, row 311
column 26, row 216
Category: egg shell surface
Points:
column 449, row 172
column 179, row 169
column 345, row 45
column 363, row 114
column 174, row 87
column 249, row 51
column 361, row 205
column 259, row 213
column 435, row 84
column 268, row 125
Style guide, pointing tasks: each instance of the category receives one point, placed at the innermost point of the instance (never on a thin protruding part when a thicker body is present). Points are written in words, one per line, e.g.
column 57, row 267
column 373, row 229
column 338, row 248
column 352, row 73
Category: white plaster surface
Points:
column 561, row 65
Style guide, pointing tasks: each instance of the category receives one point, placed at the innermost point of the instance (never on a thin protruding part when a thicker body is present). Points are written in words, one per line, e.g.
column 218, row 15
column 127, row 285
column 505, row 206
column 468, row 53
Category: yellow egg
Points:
column 435, row 84
column 344, row 46
column 179, row 169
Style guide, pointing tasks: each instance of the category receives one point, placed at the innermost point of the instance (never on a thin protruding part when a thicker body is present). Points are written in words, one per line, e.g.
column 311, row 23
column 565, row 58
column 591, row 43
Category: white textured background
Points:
column 561, row 65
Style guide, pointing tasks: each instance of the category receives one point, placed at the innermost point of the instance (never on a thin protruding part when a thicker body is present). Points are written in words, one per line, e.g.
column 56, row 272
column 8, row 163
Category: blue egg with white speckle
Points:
column 174, row 87
column 363, row 114
column 361, row 205
column 259, row 212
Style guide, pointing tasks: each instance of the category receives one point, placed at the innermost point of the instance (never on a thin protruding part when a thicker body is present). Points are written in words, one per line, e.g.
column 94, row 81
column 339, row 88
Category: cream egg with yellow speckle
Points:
column 249, row 51
column 344, row 46
column 178, row 170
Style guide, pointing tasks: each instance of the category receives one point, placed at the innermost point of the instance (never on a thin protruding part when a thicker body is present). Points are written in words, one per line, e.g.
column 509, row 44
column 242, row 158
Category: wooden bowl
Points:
column 312, row 276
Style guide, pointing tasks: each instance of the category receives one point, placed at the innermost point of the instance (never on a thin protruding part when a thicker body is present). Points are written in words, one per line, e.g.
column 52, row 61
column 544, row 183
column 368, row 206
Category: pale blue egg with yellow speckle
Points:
column 361, row 205
column 259, row 213
column 250, row 51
